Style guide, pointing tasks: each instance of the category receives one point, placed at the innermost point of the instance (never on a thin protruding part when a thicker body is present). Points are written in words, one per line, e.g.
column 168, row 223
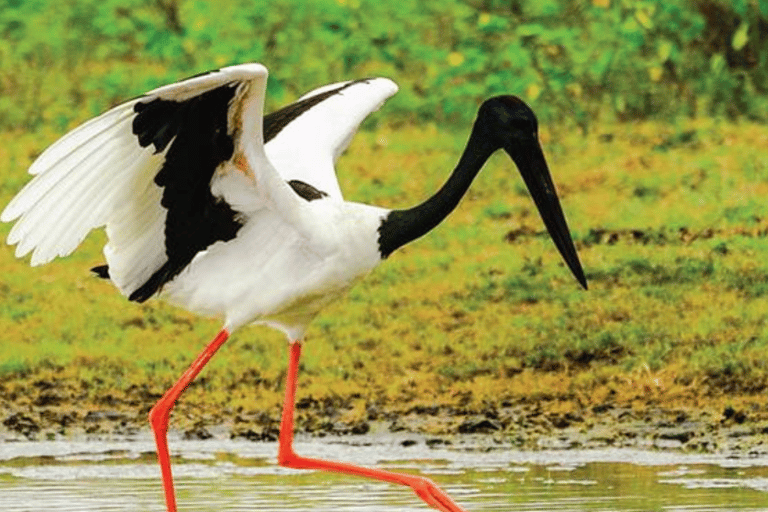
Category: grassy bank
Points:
column 481, row 315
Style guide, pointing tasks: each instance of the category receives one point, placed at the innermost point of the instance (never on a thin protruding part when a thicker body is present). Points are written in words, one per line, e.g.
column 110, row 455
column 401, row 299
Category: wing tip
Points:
column 247, row 70
column 9, row 214
column 389, row 85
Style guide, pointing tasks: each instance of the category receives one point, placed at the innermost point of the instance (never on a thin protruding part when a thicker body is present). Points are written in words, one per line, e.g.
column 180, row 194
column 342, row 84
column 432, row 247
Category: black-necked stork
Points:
column 226, row 212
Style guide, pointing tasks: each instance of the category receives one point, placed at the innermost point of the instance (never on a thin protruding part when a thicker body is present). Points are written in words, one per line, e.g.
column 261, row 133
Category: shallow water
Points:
column 240, row 475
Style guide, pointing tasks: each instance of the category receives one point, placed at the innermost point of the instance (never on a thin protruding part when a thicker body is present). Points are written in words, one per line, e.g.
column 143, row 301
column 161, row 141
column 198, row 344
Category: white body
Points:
column 246, row 280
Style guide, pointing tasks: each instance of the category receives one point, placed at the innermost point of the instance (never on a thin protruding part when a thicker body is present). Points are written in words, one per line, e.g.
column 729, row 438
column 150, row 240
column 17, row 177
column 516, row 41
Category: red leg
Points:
column 161, row 412
column 425, row 488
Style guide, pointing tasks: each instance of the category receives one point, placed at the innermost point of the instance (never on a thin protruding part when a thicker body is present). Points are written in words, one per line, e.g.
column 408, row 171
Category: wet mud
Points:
column 47, row 413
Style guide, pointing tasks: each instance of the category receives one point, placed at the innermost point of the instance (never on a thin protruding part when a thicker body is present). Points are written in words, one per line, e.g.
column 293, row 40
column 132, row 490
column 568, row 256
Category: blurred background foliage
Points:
column 577, row 62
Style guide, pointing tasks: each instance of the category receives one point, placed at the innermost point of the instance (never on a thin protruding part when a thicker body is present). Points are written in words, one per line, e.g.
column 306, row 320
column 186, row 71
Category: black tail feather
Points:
column 102, row 271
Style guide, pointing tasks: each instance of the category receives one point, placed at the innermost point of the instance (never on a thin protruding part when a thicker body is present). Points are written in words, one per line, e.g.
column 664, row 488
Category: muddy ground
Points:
column 44, row 414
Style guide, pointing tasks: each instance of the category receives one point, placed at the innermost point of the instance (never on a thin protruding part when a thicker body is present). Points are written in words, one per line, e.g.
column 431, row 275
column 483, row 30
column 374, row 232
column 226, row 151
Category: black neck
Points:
column 403, row 226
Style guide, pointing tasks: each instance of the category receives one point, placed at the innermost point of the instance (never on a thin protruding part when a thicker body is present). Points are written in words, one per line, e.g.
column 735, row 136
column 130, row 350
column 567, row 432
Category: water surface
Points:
column 231, row 475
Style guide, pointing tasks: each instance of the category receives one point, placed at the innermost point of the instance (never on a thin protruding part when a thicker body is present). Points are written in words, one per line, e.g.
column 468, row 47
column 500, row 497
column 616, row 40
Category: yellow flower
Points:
column 455, row 58
column 532, row 92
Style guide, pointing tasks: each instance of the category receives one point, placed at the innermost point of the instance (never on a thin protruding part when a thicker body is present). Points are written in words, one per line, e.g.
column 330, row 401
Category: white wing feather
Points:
column 75, row 177
column 99, row 175
column 308, row 147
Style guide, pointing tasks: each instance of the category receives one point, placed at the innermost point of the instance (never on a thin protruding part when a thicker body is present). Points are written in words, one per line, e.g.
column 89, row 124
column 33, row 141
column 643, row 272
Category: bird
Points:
column 226, row 212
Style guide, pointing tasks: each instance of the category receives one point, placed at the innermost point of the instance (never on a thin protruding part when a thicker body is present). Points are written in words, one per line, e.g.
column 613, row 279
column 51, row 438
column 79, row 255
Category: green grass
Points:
column 480, row 311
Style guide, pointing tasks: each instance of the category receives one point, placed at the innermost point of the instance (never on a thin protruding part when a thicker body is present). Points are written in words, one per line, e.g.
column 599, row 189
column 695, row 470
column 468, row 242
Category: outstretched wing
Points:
column 304, row 139
column 168, row 174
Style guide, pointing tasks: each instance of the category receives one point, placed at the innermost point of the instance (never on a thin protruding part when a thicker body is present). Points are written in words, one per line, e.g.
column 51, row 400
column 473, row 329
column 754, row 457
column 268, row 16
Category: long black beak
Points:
column 529, row 159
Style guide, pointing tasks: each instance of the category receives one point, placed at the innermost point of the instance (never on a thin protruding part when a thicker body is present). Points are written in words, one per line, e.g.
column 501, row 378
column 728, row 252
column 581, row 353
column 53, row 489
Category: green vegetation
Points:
column 583, row 62
column 650, row 118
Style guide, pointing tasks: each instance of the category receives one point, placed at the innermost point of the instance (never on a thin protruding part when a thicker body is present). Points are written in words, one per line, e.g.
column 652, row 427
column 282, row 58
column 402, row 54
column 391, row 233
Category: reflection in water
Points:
column 238, row 476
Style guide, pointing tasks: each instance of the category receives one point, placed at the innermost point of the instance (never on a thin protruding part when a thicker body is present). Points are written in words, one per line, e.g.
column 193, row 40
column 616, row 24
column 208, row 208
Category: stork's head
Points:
column 508, row 118
column 507, row 123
